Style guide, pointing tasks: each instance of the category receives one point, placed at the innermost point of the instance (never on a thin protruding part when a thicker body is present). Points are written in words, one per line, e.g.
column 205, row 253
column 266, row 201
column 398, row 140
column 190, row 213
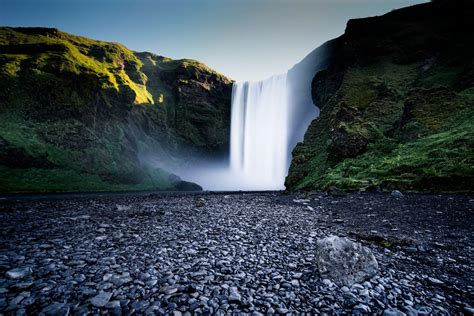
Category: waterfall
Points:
column 268, row 118
column 259, row 133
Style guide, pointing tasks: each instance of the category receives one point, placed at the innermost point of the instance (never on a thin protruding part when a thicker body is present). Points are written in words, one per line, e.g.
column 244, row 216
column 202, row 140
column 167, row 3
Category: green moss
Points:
column 101, row 166
column 33, row 180
column 113, row 64
column 441, row 161
column 69, row 112
column 397, row 106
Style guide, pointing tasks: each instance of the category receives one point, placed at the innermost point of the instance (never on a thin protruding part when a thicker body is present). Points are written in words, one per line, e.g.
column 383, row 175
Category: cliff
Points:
column 396, row 105
column 78, row 114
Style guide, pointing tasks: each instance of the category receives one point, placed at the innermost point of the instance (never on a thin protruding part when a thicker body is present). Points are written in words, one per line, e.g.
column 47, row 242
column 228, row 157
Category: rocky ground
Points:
column 223, row 253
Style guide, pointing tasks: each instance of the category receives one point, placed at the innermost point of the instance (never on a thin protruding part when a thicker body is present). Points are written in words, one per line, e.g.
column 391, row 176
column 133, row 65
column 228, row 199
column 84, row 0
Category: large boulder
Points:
column 343, row 261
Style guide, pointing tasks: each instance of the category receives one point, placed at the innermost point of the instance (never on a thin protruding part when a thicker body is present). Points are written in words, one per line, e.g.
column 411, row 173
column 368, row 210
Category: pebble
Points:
column 56, row 309
column 435, row 281
column 397, row 194
column 19, row 273
column 469, row 310
column 234, row 296
column 393, row 312
column 362, row 309
column 250, row 255
column 101, row 299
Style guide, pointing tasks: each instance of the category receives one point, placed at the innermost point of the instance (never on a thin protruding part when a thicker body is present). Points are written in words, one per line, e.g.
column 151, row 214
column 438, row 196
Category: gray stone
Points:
column 361, row 308
column 22, row 285
column 19, row 273
column 113, row 305
column 168, row 290
column 424, row 310
column 397, row 194
column 56, row 309
column 410, row 311
column 435, row 281
column 101, row 299
column 327, row 282
column 343, row 261
column 393, row 312
column 234, row 296
column 120, row 280
column 151, row 283
column 295, row 283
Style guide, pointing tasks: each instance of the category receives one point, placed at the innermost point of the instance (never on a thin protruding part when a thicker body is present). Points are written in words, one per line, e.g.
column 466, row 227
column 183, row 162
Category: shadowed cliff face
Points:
column 78, row 114
column 396, row 105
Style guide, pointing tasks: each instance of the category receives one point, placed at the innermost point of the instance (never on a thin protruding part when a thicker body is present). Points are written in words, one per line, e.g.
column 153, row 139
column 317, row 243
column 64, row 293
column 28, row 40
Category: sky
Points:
column 243, row 39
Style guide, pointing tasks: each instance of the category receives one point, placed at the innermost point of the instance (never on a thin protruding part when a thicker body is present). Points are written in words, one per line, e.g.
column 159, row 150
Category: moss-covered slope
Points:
column 397, row 105
column 78, row 114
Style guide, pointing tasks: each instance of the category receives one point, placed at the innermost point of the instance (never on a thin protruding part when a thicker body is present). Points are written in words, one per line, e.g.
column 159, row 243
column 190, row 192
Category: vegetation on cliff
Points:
column 78, row 114
column 397, row 105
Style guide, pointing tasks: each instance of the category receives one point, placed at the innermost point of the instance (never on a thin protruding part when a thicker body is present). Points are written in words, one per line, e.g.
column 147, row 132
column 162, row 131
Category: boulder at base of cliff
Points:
column 187, row 186
column 343, row 261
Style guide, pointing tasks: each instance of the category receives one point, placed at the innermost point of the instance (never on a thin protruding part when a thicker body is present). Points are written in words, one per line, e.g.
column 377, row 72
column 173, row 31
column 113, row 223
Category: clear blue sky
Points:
column 244, row 39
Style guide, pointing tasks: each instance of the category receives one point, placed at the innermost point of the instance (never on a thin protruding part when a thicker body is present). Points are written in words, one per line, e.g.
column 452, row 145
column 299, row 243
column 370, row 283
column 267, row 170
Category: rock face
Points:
column 79, row 114
column 396, row 105
column 343, row 261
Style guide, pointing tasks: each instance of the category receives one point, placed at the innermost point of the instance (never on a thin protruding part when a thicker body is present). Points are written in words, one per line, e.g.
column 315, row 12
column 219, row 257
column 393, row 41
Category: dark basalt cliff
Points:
column 396, row 104
column 78, row 114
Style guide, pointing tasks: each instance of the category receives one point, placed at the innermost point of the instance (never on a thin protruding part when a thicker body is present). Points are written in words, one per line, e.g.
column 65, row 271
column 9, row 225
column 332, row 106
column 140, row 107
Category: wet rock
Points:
column 397, row 194
column 435, row 281
column 22, row 285
column 361, row 308
column 245, row 254
column 199, row 202
column 282, row 310
column 120, row 280
column 234, row 296
column 335, row 191
column 19, row 273
column 393, row 312
column 101, row 299
column 56, row 309
column 168, row 290
column 112, row 305
column 187, row 186
column 424, row 310
column 295, row 283
column 343, row 261
column 468, row 310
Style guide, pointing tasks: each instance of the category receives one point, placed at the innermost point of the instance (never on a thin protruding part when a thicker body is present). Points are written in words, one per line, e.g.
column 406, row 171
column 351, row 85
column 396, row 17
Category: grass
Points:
column 79, row 112
column 35, row 180
column 101, row 166
column 406, row 103
column 441, row 161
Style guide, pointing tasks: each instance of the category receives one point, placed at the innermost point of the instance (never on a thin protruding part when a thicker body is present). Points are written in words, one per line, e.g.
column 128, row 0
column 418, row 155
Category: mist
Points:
column 268, row 118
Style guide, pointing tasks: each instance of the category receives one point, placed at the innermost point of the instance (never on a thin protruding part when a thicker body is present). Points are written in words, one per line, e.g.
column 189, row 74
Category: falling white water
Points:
column 268, row 119
column 259, row 133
